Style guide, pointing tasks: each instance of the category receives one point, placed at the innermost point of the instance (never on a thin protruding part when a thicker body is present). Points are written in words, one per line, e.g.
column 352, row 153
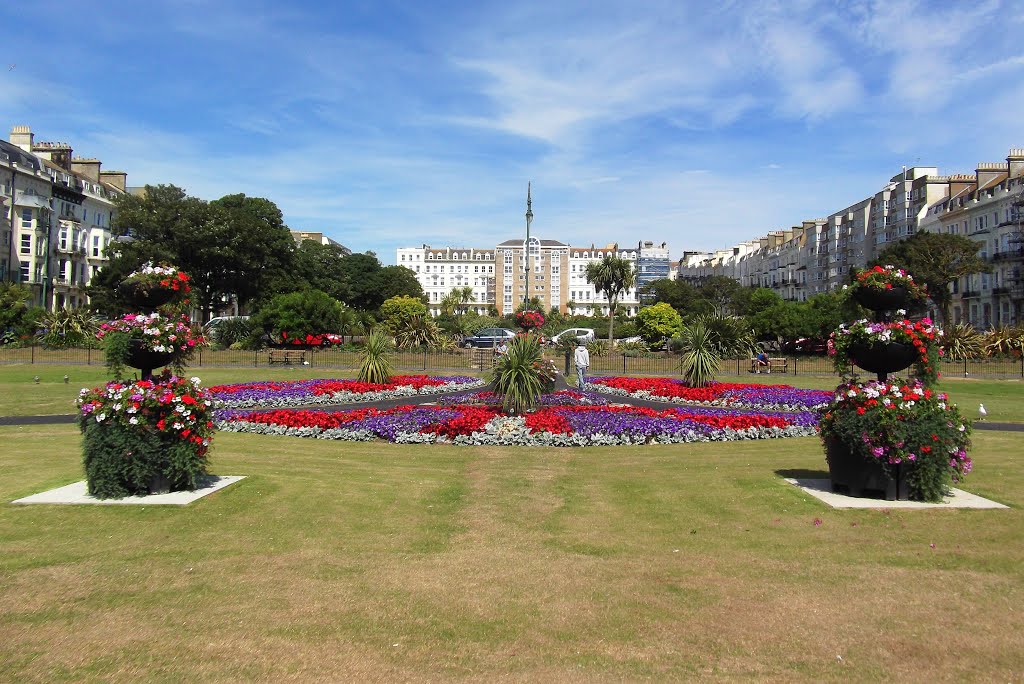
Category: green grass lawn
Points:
column 341, row 561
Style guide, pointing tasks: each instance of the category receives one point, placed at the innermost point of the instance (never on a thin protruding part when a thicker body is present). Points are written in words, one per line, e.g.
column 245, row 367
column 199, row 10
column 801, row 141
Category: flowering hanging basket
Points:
column 529, row 320
column 878, row 279
column 142, row 357
column 144, row 296
column 878, row 299
column 883, row 357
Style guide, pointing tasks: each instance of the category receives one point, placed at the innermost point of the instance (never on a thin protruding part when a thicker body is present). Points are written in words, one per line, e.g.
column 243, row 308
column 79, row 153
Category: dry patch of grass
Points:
column 382, row 562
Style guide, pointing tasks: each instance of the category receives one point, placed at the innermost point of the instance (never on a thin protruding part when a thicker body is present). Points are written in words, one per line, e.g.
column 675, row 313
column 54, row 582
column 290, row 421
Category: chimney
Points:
column 988, row 172
column 22, row 136
column 57, row 152
column 118, row 179
column 1015, row 162
column 90, row 168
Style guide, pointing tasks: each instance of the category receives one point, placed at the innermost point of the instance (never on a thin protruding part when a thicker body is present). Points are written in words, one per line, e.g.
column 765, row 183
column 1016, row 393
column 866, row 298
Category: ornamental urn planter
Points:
column 159, row 484
column 883, row 357
column 146, row 359
column 145, row 295
column 882, row 299
column 853, row 474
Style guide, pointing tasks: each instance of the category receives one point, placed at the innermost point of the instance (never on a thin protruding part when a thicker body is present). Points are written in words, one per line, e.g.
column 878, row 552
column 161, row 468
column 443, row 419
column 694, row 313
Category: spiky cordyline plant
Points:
column 962, row 341
column 700, row 359
column 517, row 377
column 1004, row 340
column 375, row 362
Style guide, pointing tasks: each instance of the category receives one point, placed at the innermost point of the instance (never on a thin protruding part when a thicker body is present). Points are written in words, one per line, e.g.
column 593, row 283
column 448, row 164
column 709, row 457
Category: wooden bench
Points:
column 778, row 364
column 286, row 356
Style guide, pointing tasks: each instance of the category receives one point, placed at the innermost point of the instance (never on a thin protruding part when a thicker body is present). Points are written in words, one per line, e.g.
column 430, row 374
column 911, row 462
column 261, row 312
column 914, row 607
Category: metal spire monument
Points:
column 526, row 245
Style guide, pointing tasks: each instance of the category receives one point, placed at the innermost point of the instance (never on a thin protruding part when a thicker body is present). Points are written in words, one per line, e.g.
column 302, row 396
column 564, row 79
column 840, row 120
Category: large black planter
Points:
column 146, row 360
column 883, row 357
column 145, row 297
column 881, row 300
column 855, row 475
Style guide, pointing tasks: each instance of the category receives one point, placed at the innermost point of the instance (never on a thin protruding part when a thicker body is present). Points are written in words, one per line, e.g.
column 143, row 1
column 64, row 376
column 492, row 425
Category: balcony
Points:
column 970, row 294
column 1008, row 255
column 1000, row 290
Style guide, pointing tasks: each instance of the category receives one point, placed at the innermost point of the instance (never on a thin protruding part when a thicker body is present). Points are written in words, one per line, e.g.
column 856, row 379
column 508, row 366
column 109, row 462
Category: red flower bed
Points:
column 668, row 387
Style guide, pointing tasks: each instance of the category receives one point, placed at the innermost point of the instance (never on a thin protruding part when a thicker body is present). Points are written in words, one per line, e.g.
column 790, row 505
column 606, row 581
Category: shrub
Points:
column 375, row 363
column 518, row 376
column 68, row 328
column 397, row 312
column 416, row 331
column 1004, row 341
column 657, row 322
column 298, row 314
column 962, row 341
column 236, row 331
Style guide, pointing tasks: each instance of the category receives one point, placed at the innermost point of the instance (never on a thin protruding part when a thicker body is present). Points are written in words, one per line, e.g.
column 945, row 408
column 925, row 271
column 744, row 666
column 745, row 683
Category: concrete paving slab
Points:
column 76, row 494
column 822, row 490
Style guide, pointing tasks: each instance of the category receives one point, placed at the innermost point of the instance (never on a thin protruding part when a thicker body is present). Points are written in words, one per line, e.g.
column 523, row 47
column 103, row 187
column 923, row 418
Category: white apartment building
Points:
column 817, row 256
column 442, row 270
column 498, row 275
column 56, row 225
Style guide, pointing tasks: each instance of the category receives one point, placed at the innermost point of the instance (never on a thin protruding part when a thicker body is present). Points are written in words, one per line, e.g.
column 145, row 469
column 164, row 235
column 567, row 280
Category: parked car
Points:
column 583, row 335
column 212, row 324
column 806, row 345
column 488, row 337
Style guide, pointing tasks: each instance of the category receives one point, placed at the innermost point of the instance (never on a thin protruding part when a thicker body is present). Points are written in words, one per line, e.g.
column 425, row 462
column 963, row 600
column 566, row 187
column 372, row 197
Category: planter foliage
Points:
column 520, row 376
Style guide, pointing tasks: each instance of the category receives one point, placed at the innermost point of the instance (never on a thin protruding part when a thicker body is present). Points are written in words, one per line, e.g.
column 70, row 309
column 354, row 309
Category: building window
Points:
column 24, row 271
column 26, row 243
column 26, row 218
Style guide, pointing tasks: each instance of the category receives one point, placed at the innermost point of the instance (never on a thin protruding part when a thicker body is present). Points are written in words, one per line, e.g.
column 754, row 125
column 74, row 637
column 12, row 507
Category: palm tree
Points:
column 611, row 275
column 347, row 321
column 457, row 301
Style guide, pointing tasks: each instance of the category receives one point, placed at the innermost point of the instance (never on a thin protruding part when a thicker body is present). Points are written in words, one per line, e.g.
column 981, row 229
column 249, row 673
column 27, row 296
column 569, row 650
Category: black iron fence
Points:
column 470, row 360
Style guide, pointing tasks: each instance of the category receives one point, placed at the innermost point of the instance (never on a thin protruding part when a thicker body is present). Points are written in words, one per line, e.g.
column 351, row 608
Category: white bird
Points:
column 982, row 412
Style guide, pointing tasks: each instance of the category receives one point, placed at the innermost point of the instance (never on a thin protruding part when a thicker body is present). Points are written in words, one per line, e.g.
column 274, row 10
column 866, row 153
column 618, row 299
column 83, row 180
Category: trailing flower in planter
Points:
column 901, row 423
column 151, row 277
column 152, row 334
column 887, row 278
column 136, row 433
column 529, row 320
column 920, row 337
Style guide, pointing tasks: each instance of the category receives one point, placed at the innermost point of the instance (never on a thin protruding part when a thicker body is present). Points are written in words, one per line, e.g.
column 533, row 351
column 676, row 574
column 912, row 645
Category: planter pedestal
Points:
column 159, row 484
column 854, row 475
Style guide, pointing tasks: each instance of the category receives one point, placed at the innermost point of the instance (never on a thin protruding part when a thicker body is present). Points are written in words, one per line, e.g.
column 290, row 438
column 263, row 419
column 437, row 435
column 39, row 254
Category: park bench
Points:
column 777, row 364
column 286, row 356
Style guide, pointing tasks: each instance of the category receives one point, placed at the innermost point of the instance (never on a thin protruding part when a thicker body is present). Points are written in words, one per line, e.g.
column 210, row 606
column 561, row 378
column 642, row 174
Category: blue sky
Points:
column 387, row 124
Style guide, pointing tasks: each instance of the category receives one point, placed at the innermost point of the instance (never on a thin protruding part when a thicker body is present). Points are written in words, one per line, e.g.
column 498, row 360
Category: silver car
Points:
column 583, row 335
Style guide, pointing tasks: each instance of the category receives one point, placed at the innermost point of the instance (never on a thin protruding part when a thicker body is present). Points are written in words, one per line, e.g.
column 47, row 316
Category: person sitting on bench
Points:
column 762, row 360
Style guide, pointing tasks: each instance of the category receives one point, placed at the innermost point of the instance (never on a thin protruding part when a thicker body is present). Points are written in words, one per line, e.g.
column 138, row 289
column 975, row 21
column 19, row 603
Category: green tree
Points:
column 297, row 314
column 396, row 312
column 234, row 247
column 359, row 273
column 612, row 276
column 395, row 281
column 320, row 267
column 724, row 295
column 457, row 301
column 655, row 323
column 680, row 295
column 936, row 259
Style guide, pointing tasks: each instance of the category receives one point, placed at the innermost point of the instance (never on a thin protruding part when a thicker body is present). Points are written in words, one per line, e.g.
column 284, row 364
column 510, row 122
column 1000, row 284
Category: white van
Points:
column 214, row 322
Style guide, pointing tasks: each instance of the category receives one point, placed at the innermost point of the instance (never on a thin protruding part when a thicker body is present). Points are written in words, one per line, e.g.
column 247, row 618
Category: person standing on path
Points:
column 582, row 360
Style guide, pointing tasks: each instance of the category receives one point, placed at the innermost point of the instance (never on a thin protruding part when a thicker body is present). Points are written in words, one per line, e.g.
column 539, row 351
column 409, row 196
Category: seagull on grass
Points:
column 982, row 412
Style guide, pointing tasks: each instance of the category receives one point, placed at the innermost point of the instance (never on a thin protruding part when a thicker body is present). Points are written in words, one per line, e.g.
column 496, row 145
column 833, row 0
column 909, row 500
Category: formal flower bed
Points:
column 330, row 391
column 135, row 431
column 561, row 425
column 559, row 398
column 736, row 395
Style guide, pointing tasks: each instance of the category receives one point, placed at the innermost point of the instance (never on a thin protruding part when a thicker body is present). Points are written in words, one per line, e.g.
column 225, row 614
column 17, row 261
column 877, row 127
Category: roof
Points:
column 543, row 243
column 14, row 154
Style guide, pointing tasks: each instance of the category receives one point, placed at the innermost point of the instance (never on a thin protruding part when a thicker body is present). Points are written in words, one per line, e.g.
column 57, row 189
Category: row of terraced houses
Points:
column 55, row 214
column 816, row 256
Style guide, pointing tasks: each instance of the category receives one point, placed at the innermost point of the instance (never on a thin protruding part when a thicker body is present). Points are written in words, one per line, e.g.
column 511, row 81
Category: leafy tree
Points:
column 936, row 259
column 457, row 301
column 359, row 273
column 396, row 312
column 15, row 309
column 611, row 275
column 725, row 295
column 395, row 281
column 655, row 323
column 320, row 267
column 297, row 314
column 680, row 295
column 234, row 247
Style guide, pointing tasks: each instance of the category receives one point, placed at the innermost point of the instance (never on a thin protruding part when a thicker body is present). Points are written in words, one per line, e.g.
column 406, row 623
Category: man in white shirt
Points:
column 582, row 360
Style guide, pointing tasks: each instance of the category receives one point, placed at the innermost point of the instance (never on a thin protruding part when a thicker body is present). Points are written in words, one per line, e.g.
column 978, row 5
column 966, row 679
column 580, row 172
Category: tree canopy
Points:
column 936, row 259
